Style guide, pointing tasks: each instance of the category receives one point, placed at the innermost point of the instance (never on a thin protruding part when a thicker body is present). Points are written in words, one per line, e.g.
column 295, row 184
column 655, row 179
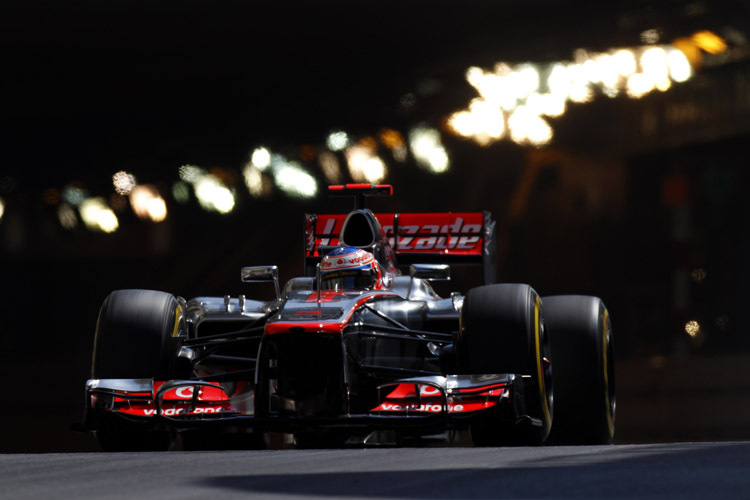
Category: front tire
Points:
column 137, row 337
column 584, row 370
column 502, row 331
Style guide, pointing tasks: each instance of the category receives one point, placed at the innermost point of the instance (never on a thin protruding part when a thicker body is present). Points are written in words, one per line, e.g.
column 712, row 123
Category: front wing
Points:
column 421, row 405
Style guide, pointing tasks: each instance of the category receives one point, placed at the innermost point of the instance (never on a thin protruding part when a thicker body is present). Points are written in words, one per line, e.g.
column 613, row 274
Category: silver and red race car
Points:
column 357, row 351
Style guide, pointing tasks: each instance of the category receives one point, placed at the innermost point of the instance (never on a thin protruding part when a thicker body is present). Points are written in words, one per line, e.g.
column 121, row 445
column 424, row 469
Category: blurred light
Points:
column 369, row 143
column 650, row 37
column 625, row 62
column 391, row 138
column 293, row 180
column 709, row 42
column 690, row 50
column 427, row 147
column 67, row 216
column 52, row 196
column 484, row 122
column 2, row 208
column 679, row 66
column 639, row 85
column 191, row 173
column 525, row 80
column 698, row 275
column 579, row 90
column 558, row 81
column 253, row 179
column 654, row 66
column 181, row 192
column 261, row 158
column 693, row 328
column 98, row 216
column 546, row 104
column 74, row 194
column 504, row 91
column 329, row 164
column 147, row 203
column 364, row 165
column 123, row 182
column 526, row 127
column 213, row 195
column 337, row 140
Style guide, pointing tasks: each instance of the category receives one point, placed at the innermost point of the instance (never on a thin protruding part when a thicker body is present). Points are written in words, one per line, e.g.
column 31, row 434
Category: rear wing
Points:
column 466, row 238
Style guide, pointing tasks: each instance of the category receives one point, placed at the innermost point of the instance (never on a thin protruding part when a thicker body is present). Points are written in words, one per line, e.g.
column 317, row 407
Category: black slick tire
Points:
column 583, row 370
column 502, row 331
column 136, row 338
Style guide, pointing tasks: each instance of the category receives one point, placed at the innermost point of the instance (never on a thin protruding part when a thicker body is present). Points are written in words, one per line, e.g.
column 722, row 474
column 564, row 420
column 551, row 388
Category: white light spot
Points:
column 261, row 158
column 337, row 140
column 364, row 165
column 213, row 195
column 427, row 148
column 123, row 182
column 294, row 181
column 98, row 216
column 679, row 66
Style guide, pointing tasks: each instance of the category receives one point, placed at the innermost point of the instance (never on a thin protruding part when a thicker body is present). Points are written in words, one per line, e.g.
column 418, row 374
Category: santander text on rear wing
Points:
column 444, row 237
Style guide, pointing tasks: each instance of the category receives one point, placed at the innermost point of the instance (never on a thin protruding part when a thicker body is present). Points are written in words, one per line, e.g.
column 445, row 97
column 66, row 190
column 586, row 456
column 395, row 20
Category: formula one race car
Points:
column 355, row 352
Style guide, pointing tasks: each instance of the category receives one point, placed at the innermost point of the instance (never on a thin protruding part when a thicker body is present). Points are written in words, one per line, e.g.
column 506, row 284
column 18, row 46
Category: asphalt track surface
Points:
column 663, row 471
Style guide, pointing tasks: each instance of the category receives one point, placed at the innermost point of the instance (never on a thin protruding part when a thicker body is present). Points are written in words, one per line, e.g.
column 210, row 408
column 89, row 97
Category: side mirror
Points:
column 430, row 272
column 258, row 274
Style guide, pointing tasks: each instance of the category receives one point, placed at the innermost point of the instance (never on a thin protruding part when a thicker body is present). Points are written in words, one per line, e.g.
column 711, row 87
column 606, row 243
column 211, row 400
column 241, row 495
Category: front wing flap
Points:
column 451, row 401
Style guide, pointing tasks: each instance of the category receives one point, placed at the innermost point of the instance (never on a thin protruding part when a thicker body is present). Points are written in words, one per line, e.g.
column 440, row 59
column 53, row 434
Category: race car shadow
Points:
column 643, row 471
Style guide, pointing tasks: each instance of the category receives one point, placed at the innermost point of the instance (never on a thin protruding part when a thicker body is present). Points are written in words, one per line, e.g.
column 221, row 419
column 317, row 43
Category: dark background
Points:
column 641, row 202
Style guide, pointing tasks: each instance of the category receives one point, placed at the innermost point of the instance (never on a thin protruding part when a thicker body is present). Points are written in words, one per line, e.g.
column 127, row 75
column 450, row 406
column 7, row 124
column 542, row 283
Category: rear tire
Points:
column 502, row 331
column 137, row 338
column 583, row 371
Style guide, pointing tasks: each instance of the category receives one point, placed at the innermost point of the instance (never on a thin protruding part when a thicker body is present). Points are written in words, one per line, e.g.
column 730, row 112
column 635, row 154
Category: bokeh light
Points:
column 513, row 99
column 67, row 216
column 98, row 216
column 292, row 179
column 181, row 192
column 337, row 140
column 693, row 328
column 123, row 182
column 330, row 166
column 147, row 203
column 364, row 164
column 427, row 147
column 213, row 195
column 261, row 158
column 253, row 179
column 74, row 194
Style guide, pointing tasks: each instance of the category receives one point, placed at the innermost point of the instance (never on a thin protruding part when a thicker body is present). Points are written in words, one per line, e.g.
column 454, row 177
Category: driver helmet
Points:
column 349, row 268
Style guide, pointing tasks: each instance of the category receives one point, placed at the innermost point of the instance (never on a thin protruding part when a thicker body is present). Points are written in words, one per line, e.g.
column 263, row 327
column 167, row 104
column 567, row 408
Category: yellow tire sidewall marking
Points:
column 177, row 317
